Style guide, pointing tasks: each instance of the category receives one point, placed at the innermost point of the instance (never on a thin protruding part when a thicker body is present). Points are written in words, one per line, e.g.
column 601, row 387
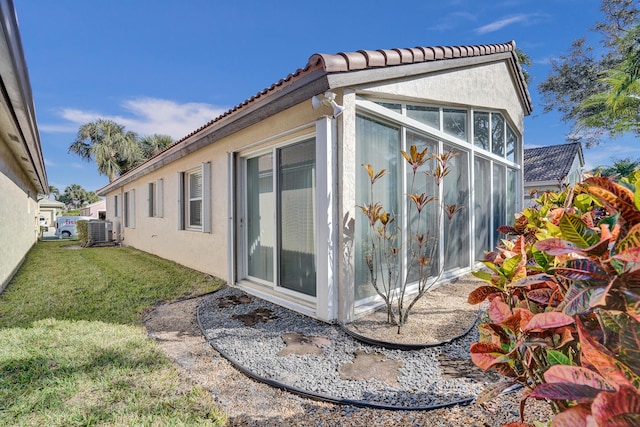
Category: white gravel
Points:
column 254, row 348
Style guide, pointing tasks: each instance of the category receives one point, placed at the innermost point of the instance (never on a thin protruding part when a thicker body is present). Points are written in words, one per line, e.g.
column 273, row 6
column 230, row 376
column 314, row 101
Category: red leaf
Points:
column 498, row 310
column 548, row 320
column 555, row 246
column 621, row 408
column 630, row 255
column 481, row 293
column 582, row 269
column 575, row 416
column 485, row 355
column 577, row 299
column 596, row 355
column 534, row 280
column 630, row 345
column 576, row 375
column 565, row 391
column 541, row 296
column 565, row 336
column 614, row 196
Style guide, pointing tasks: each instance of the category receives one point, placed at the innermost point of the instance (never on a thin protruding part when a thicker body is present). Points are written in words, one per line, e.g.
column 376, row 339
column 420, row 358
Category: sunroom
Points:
column 268, row 194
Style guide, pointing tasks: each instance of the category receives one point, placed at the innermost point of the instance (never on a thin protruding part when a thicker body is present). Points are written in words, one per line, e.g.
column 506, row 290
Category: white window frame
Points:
column 154, row 191
column 184, row 200
column 116, row 208
column 129, row 208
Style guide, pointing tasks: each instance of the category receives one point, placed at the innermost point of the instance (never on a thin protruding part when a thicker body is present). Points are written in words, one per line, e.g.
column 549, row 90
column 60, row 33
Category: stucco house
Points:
column 267, row 194
column 96, row 210
column 551, row 168
column 22, row 171
column 51, row 210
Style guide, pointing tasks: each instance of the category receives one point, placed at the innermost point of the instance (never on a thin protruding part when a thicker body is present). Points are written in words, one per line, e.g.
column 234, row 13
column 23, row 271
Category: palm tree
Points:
column 107, row 143
column 153, row 144
column 54, row 191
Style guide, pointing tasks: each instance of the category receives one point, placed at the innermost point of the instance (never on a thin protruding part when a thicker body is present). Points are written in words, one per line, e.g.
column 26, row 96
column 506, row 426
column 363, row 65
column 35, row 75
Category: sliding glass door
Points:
column 281, row 218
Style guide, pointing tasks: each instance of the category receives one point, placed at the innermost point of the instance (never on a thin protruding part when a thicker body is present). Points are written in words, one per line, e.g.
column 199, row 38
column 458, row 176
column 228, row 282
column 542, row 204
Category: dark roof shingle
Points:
column 550, row 163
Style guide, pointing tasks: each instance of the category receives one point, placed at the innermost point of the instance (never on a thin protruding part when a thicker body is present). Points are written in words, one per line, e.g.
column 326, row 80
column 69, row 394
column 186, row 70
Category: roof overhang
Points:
column 18, row 127
column 324, row 72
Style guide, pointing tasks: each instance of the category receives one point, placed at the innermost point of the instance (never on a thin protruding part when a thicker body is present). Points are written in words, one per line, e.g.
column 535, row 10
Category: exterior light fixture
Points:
column 328, row 99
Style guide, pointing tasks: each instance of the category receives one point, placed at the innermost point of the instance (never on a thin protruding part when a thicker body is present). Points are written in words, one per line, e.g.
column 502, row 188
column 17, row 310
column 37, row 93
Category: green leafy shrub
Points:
column 564, row 304
column 82, row 228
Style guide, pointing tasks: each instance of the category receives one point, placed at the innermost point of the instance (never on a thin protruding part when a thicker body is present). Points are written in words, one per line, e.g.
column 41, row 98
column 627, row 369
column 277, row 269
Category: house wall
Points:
column 206, row 252
column 19, row 212
column 479, row 86
column 93, row 209
column 489, row 87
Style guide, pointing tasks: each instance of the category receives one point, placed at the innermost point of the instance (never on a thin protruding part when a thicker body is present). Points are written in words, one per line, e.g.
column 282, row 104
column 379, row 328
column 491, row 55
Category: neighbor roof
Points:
column 551, row 163
column 326, row 71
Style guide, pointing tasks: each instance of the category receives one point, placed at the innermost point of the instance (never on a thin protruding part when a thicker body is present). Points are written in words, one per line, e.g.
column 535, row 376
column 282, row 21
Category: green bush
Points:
column 564, row 304
column 82, row 228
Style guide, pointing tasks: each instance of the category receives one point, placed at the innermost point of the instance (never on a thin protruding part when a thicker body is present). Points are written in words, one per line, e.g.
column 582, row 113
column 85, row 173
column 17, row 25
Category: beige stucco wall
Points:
column 489, row 86
column 206, row 252
column 19, row 218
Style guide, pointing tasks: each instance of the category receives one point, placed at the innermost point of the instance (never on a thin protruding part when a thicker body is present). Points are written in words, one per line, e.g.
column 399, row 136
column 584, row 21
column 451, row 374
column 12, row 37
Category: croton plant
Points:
column 563, row 292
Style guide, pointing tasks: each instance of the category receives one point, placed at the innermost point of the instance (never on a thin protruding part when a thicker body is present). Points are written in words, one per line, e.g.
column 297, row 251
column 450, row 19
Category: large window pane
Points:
column 499, row 201
column 512, row 141
column 497, row 134
column 482, row 206
column 481, row 130
column 297, row 220
column 456, row 192
column 426, row 222
column 430, row 116
column 260, row 217
column 512, row 195
column 455, row 122
column 377, row 144
column 391, row 106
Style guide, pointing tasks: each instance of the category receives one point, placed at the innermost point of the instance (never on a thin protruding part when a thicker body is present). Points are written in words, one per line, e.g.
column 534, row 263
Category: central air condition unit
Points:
column 100, row 231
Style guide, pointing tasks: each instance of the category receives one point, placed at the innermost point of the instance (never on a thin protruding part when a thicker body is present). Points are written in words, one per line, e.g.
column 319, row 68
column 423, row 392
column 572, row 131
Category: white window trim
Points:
column 183, row 199
column 129, row 208
column 154, row 200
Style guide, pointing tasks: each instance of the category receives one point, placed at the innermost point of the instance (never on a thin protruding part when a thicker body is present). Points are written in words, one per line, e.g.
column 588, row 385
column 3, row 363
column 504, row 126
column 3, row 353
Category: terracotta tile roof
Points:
column 350, row 61
column 551, row 163
column 364, row 59
column 319, row 66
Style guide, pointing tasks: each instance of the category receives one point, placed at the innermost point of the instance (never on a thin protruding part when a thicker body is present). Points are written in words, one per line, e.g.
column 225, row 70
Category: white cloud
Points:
column 500, row 24
column 145, row 116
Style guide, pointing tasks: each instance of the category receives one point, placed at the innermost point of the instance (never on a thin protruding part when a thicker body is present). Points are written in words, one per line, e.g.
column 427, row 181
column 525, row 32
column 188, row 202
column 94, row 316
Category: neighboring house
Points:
column 50, row 210
column 96, row 210
column 551, row 168
column 22, row 171
column 267, row 194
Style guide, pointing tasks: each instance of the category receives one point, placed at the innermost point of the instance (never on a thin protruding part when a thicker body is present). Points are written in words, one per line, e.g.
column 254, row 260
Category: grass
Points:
column 74, row 351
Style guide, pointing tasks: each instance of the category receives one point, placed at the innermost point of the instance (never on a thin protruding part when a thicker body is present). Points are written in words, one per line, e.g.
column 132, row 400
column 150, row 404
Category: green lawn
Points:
column 73, row 351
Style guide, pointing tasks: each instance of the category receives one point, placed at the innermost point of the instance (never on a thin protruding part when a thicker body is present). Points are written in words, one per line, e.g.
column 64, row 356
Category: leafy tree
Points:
column 581, row 75
column 525, row 61
column 153, row 144
column 74, row 196
column 54, row 192
column 619, row 169
column 115, row 150
column 92, row 197
column 107, row 143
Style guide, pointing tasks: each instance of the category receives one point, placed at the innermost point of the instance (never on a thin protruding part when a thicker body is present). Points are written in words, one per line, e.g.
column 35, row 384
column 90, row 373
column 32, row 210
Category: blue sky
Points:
column 167, row 66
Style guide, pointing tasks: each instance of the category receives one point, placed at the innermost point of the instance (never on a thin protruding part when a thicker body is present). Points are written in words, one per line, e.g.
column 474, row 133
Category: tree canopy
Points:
column 75, row 196
column 598, row 94
column 114, row 149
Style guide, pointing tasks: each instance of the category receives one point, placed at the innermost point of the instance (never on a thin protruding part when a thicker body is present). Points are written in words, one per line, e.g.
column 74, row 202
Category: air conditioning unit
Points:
column 100, row 231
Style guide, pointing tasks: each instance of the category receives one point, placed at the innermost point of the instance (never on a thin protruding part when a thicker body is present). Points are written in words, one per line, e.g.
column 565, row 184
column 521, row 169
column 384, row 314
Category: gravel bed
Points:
column 421, row 383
